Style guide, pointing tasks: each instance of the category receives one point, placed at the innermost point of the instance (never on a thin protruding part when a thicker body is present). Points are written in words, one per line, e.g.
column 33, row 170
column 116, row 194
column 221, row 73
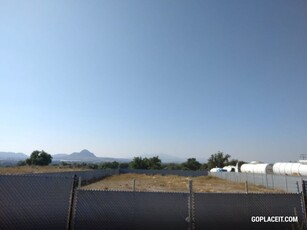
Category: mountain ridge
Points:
column 88, row 156
column 85, row 156
column 165, row 158
column 12, row 156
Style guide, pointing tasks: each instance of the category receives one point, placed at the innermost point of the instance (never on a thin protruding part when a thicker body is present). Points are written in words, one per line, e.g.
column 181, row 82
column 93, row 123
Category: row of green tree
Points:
column 218, row 159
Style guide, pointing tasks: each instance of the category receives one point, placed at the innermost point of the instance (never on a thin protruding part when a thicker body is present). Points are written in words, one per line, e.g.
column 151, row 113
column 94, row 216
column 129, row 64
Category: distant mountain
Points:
column 13, row 156
column 165, row 158
column 85, row 156
column 60, row 155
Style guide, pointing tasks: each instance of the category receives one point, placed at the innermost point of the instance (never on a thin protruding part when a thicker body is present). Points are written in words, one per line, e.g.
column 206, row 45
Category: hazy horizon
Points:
column 184, row 78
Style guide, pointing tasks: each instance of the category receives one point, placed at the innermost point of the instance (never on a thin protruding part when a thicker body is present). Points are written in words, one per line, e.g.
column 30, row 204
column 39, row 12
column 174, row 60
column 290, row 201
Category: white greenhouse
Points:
column 290, row 168
column 256, row 167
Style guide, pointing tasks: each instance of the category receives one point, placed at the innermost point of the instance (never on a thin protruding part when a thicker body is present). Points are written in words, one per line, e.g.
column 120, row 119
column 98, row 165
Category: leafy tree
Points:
column 82, row 165
column 39, row 158
column 124, row 165
column 21, row 163
column 145, row 163
column 92, row 166
column 204, row 166
column 109, row 165
column 218, row 160
column 154, row 163
column 138, row 163
column 63, row 163
column 172, row 166
column 191, row 164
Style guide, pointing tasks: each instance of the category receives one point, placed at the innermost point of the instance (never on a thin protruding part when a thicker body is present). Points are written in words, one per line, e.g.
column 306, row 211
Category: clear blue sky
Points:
column 185, row 78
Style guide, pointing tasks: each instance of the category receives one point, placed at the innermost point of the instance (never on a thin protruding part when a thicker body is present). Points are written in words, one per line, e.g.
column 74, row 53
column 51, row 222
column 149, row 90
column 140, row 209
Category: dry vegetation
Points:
column 36, row 169
column 172, row 183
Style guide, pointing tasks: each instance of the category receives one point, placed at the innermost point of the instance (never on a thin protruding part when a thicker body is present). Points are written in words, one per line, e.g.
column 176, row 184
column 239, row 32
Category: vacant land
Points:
column 37, row 169
column 172, row 184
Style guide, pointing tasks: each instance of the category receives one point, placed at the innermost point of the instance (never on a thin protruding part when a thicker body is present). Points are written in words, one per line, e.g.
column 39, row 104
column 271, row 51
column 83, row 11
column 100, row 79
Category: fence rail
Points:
column 291, row 184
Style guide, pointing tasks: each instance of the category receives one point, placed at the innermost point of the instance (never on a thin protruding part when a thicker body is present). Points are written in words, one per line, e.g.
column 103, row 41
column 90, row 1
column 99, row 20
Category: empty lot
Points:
column 170, row 183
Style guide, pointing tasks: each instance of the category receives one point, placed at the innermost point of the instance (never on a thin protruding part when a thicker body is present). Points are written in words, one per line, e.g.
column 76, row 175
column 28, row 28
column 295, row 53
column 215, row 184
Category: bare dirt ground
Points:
column 170, row 183
column 36, row 169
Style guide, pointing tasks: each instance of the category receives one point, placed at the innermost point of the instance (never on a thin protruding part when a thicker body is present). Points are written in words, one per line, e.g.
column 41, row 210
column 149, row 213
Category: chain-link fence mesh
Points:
column 185, row 173
column 235, row 211
column 304, row 186
column 147, row 210
column 44, row 202
column 291, row 184
column 86, row 176
column 130, row 210
column 34, row 202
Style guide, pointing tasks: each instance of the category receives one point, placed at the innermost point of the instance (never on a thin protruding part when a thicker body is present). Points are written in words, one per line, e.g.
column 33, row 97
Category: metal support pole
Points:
column 79, row 182
column 297, row 187
column 133, row 185
column 191, row 216
column 246, row 187
column 72, row 203
column 286, row 183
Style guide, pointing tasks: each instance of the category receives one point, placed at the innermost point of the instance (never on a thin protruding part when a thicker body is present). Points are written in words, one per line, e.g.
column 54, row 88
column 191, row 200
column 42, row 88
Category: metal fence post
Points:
column 79, row 182
column 191, row 217
column 286, row 183
column 72, row 203
column 246, row 187
column 297, row 187
column 133, row 185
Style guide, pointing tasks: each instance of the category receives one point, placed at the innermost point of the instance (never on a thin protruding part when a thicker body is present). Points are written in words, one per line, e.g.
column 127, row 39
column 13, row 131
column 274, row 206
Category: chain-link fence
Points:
column 158, row 210
column 291, row 184
column 34, row 202
column 130, row 210
column 221, row 211
column 54, row 202
column 185, row 173
column 86, row 176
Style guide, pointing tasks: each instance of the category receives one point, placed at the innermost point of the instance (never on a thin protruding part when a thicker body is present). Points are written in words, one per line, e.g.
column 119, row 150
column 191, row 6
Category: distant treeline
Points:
column 218, row 159
column 139, row 163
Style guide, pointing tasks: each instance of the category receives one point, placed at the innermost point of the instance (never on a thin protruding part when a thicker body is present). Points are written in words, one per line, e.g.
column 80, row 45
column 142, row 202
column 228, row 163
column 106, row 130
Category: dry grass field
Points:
column 172, row 183
column 36, row 169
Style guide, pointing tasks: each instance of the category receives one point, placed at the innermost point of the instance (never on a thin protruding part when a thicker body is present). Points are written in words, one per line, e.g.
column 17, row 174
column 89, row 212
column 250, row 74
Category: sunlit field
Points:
column 172, row 183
